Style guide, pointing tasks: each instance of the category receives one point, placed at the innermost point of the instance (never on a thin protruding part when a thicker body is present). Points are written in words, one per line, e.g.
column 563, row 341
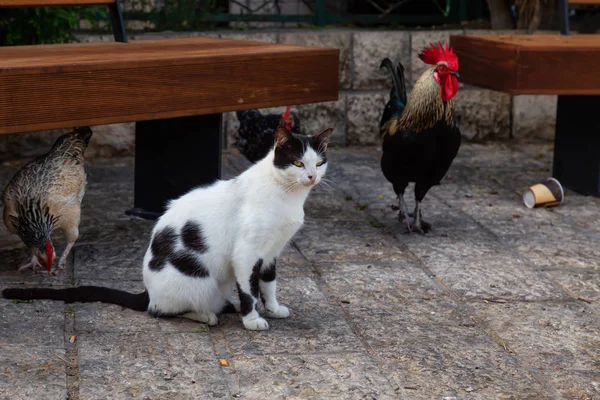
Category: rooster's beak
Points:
column 455, row 73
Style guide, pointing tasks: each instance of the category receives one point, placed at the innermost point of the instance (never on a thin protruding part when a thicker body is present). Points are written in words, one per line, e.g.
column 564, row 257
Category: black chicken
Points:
column 420, row 134
column 256, row 136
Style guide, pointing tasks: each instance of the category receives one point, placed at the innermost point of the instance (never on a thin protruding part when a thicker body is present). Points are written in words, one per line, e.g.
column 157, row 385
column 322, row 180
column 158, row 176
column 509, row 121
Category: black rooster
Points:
column 256, row 136
column 420, row 134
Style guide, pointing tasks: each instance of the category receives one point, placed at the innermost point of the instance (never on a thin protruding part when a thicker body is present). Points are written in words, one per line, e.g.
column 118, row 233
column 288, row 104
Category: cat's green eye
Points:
column 320, row 163
column 298, row 163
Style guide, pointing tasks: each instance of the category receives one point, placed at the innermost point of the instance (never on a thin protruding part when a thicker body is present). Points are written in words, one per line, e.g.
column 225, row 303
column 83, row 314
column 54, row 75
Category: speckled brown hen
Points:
column 46, row 194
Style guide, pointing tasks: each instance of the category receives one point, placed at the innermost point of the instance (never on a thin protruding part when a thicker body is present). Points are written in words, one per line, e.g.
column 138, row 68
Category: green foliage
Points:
column 43, row 25
column 184, row 15
column 22, row 301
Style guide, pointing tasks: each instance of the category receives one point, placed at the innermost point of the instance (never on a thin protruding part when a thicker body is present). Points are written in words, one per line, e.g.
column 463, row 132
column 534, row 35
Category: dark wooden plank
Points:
column 530, row 64
column 585, row 2
column 156, row 80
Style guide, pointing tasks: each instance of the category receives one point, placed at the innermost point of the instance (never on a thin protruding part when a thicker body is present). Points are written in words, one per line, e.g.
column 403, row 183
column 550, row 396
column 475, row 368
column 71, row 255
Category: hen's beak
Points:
column 455, row 73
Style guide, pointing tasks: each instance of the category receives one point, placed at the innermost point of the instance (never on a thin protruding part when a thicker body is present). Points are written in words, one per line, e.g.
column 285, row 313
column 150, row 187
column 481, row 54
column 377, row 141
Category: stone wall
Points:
column 483, row 114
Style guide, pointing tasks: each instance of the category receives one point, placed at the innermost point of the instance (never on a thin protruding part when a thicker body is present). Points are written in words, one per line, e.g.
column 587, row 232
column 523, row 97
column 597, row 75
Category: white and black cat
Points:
column 219, row 236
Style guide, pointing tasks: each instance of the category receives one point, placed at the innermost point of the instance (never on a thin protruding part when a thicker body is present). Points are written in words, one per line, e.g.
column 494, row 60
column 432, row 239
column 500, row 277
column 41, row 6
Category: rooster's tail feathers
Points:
column 399, row 89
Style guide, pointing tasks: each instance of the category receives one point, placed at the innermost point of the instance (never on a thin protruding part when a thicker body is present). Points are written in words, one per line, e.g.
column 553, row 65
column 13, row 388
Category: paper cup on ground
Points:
column 547, row 194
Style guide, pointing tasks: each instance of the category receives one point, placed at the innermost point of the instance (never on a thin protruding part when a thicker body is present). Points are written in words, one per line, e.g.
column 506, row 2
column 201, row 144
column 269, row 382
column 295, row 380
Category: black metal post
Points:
column 563, row 16
column 577, row 144
column 116, row 21
column 172, row 156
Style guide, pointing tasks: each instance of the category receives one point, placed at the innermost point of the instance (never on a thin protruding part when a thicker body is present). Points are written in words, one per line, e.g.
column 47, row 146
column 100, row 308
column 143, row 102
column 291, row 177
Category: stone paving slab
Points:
column 330, row 241
column 313, row 327
column 149, row 365
column 574, row 384
column 117, row 233
column 474, row 268
column 108, row 261
column 378, row 283
column 34, row 324
column 36, row 373
column 325, row 204
column 456, row 363
column 388, row 324
column 291, row 263
column 559, row 341
column 556, row 252
column 547, row 335
column 497, row 301
column 331, row 376
column 583, row 285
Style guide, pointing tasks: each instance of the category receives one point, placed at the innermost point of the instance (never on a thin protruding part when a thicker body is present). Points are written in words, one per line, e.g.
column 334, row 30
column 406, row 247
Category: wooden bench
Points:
column 560, row 65
column 174, row 89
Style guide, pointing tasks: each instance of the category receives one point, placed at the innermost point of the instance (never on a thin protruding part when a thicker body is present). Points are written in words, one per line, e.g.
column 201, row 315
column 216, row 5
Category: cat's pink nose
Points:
column 312, row 178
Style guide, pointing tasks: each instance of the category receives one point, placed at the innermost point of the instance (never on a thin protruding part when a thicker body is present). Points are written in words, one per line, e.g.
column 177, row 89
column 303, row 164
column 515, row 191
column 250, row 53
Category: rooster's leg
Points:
column 403, row 213
column 418, row 224
column 31, row 264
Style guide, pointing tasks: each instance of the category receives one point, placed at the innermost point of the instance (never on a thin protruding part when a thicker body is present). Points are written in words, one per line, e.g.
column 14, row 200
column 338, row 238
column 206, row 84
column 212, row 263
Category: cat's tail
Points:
column 83, row 294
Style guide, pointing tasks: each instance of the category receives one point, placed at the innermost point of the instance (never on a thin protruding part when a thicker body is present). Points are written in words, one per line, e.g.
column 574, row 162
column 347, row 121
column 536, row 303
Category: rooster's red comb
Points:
column 433, row 55
column 285, row 119
column 286, row 115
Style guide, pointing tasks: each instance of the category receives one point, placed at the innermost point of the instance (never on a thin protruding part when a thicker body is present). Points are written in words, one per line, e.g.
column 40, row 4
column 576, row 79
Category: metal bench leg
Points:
column 173, row 156
column 577, row 144
column 116, row 21
column 563, row 16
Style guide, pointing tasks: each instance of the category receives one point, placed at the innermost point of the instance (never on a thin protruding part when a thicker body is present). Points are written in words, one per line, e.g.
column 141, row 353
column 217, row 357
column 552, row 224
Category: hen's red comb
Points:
column 49, row 254
column 433, row 55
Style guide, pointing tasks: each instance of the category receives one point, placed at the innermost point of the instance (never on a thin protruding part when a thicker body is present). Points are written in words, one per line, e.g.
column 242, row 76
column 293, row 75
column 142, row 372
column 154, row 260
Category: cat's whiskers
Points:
column 289, row 186
column 325, row 185
column 328, row 184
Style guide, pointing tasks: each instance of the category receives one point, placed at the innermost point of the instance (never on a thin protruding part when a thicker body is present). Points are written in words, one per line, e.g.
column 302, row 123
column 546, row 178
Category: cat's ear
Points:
column 282, row 136
column 322, row 138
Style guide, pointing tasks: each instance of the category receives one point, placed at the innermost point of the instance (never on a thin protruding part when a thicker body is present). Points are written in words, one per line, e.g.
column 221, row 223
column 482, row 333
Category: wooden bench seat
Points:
column 174, row 89
column 560, row 65
column 103, row 83
column 530, row 64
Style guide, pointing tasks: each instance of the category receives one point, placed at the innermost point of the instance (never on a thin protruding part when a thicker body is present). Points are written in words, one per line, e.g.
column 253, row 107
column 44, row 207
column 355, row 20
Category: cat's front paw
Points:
column 280, row 312
column 257, row 324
